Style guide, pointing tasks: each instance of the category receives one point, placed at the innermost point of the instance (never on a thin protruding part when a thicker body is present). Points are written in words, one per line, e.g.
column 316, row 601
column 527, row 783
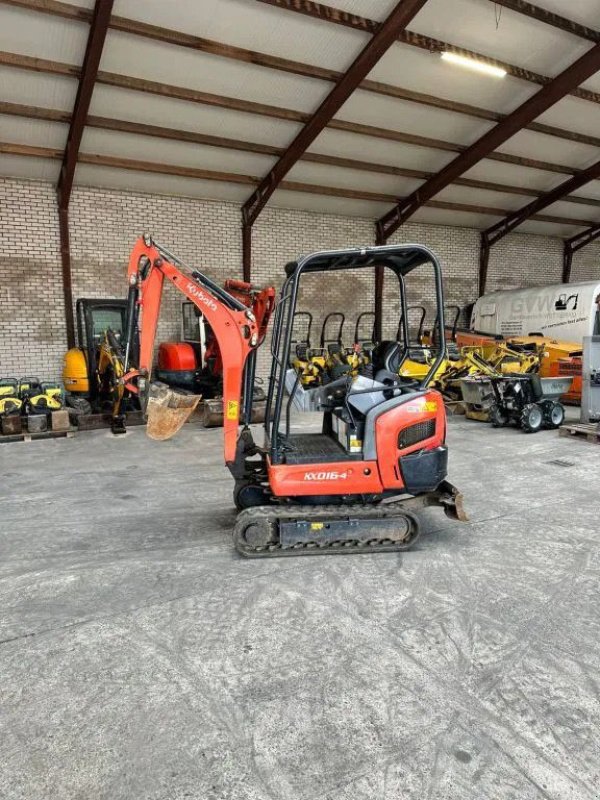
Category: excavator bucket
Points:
column 167, row 410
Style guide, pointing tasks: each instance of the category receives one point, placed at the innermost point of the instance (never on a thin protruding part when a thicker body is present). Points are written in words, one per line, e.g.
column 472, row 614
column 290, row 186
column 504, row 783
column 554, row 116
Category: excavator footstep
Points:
column 168, row 410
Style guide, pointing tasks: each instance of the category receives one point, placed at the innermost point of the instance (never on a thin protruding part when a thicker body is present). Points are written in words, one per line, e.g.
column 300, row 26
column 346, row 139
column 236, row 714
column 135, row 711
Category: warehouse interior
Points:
column 245, row 158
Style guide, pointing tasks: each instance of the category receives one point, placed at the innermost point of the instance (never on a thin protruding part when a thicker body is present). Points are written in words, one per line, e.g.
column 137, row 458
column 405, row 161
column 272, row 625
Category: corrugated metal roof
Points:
column 264, row 29
column 583, row 11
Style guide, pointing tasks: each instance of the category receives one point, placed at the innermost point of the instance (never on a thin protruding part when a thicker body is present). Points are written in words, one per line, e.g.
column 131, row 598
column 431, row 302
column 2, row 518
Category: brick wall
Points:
column 586, row 263
column 32, row 338
column 281, row 235
column 458, row 252
column 525, row 260
column 104, row 225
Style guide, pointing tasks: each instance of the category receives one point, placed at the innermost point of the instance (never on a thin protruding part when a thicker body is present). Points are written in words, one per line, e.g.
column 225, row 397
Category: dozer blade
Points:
column 167, row 411
column 447, row 496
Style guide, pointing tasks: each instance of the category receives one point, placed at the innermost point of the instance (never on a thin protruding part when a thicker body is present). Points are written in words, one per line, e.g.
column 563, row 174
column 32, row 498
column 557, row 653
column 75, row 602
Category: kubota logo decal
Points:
column 325, row 476
column 192, row 289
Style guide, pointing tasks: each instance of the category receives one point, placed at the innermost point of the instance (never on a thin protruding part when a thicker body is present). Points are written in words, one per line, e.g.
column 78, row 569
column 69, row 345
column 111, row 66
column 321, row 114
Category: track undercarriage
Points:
column 291, row 530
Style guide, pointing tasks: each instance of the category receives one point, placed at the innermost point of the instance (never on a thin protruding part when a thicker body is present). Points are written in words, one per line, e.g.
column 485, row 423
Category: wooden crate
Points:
column 59, row 420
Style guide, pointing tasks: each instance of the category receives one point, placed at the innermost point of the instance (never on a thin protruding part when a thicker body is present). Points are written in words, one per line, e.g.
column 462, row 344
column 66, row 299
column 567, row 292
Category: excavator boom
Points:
column 234, row 326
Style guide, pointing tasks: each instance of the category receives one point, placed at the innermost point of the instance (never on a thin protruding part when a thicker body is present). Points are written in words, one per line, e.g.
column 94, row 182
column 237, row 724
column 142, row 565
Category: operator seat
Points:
column 386, row 355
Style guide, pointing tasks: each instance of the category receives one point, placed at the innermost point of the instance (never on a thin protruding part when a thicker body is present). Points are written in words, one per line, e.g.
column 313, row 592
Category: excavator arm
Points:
column 233, row 323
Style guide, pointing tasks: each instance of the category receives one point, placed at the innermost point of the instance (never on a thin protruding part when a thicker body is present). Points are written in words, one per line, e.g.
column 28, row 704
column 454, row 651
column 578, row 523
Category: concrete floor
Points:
column 142, row 658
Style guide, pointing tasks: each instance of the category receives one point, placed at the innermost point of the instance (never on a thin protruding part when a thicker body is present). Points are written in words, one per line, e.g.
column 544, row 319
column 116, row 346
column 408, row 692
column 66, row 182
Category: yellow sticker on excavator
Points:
column 418, row 408
column 232, row 409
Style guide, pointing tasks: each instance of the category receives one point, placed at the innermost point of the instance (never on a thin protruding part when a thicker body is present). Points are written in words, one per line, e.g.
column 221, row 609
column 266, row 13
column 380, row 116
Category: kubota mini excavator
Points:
column 303, row 493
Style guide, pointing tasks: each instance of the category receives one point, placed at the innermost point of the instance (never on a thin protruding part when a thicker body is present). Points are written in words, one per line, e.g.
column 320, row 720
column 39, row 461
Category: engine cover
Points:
column 176, row 357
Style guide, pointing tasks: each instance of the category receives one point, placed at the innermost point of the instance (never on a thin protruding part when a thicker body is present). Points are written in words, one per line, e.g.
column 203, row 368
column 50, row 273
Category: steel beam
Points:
column 547, row 96
column 377, row 46
column 575, row 243
column 194, row 137
column 189, row 41
column 334, row 15
column 496, row 232
column 87, row 79
column 128, row 82
column 156, row 167
column 550, row 18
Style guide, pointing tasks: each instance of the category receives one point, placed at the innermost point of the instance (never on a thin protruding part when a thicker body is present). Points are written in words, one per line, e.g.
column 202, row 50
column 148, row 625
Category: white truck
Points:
column 565, row 311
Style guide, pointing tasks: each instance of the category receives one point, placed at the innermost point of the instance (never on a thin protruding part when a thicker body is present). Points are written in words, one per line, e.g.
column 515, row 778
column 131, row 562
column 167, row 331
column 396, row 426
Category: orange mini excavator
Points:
column 380, row 456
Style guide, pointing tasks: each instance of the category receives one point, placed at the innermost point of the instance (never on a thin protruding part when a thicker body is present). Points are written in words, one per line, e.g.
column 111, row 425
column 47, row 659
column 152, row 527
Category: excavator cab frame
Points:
column 399, row 259
column 90, row 335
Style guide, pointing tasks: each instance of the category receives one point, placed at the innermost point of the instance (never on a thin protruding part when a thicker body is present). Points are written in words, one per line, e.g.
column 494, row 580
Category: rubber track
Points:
column 274, row 514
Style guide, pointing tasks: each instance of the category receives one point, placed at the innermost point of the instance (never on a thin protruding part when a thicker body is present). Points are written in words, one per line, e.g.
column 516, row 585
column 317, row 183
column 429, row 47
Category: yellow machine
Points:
column 92, row 371
column 10, row 401
column 331, row 360
column 40, row 396
column 497, row 358
column 9, row 396
column 302, row 358
column 29, row 394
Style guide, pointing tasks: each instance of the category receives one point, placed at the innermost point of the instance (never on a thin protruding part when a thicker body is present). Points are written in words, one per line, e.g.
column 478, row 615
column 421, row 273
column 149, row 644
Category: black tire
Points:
column 532, row 418
column 554, row 416
column 498, row 418
column 79, row 406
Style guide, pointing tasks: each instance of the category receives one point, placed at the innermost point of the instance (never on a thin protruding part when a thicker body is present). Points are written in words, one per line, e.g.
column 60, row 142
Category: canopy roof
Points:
column 201, row 98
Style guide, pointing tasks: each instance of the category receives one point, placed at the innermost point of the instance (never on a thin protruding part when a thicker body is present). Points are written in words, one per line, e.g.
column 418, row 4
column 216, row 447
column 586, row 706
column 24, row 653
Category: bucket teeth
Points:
column 167, row 410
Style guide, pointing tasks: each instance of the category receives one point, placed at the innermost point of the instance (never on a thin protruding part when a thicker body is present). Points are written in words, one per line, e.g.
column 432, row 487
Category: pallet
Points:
column 25, row 436
column 590, row 431
column 94, row 422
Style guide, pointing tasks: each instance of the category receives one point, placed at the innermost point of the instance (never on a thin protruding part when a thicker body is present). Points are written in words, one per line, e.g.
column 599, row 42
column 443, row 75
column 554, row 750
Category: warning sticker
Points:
column 232, row 409
column 418, row 408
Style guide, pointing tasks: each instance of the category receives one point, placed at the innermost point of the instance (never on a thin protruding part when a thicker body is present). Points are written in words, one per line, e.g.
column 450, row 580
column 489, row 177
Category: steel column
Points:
column 379, row 282
column 484, row 260
column 65, row 259
column 567, row 263
column 247, row 252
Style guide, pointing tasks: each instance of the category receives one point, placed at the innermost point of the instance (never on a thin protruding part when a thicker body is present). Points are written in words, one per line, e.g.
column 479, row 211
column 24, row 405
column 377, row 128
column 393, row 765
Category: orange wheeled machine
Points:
column 380, row 456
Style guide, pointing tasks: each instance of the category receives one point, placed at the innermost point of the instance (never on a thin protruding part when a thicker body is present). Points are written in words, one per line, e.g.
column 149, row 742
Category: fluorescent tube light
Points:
column 471, row 63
